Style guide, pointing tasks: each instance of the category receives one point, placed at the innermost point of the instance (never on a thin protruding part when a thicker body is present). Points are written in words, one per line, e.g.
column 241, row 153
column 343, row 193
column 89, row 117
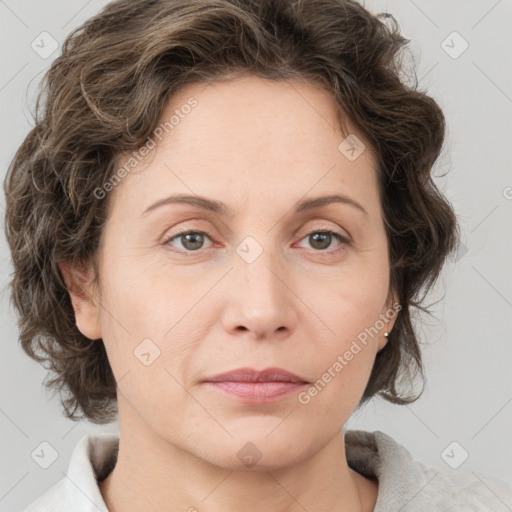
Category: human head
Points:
column 105, row 95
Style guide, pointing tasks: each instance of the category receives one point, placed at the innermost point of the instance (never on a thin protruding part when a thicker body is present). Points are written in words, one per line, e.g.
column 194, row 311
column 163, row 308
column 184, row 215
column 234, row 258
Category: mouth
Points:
column 252, row 386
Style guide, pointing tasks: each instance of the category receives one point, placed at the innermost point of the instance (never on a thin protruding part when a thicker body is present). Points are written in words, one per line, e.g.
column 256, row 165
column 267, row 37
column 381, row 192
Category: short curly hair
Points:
column 103, row 96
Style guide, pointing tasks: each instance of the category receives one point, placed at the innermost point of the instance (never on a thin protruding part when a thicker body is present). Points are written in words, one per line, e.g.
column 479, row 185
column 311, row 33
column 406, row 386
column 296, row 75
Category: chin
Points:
column 257, row 452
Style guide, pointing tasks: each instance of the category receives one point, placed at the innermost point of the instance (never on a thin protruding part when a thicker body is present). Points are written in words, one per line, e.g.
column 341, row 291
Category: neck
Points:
column 153, row 474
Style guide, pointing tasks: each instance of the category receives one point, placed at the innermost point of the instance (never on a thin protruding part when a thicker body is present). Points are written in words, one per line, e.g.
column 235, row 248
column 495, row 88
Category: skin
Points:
column 259, row 146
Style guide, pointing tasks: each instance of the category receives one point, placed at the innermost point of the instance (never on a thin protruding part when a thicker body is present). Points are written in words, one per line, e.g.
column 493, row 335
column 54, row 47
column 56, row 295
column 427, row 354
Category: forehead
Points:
column 252, row 116
column 267, row 137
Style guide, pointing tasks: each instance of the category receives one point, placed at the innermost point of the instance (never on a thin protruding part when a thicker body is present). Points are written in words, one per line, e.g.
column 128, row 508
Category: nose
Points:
column 259, row 300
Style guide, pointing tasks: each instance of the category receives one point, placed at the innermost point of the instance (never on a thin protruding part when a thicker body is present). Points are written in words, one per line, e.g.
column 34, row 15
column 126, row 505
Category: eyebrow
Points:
column 219, row 208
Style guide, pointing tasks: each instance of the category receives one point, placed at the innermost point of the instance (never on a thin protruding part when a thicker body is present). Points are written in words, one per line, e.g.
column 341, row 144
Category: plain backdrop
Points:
column 460, row 52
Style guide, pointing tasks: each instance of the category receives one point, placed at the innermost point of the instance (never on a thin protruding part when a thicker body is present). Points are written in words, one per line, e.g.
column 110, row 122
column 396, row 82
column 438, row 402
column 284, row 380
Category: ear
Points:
column 389, row 315
column 85, row 306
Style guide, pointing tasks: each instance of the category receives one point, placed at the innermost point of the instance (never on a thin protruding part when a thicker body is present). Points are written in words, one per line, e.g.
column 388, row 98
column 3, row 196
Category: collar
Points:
column 372, row 454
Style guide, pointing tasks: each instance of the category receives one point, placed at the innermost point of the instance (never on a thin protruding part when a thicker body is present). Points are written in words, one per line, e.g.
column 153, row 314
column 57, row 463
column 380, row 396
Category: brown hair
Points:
column 104, row 95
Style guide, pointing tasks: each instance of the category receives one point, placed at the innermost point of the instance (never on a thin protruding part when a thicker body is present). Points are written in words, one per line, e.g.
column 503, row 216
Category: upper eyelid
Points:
column 312, row 229
column 315, row 225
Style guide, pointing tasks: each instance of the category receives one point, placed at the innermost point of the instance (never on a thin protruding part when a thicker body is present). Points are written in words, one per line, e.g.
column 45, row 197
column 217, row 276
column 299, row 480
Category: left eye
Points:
column 321, row 240
column 193, row 241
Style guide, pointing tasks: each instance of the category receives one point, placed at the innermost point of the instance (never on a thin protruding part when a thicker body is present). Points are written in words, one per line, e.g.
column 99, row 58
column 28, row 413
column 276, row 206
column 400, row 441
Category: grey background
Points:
column 467, row 345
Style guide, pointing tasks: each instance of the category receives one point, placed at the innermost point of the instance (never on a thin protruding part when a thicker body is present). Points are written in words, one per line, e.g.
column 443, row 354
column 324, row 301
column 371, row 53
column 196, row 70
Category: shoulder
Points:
column 78, row 490
column 408, row 484
column 476, row 491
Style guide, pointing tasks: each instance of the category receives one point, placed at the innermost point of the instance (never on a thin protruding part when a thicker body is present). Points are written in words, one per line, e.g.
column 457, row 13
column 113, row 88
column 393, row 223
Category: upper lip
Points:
column 251, row 375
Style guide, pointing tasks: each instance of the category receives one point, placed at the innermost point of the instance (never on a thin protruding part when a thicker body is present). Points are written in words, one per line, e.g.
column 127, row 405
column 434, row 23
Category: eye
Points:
column 191, row 240
column 322, row 239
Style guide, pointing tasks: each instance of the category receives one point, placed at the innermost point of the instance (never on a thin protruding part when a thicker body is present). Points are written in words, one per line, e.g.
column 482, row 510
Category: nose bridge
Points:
column 255, row 268
column 260, row 300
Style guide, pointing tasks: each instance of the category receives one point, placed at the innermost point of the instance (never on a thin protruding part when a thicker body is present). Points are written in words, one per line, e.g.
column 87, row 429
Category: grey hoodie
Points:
column 405, row 485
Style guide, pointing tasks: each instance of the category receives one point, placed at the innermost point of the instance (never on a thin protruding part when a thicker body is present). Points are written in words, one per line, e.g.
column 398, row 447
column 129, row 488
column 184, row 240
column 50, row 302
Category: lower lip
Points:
column 257, row 392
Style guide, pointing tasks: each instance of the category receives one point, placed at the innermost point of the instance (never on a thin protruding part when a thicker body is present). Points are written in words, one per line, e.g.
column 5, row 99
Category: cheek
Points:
column 148, row 325
column 348, row 304
column 146, row 299
column 158, row 396
column 343, row 364
column 349, row 310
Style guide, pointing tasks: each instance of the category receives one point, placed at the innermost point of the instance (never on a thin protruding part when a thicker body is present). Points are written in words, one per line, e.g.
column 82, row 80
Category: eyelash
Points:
column 335, row 234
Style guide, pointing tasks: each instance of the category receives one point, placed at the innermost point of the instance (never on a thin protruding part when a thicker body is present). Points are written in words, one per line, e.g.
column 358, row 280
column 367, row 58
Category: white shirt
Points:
column 405, row 485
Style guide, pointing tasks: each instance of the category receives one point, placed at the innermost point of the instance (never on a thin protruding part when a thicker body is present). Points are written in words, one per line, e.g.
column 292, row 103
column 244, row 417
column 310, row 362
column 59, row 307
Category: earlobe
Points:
column 390, row 313
column 383, row 340
column 85, row 307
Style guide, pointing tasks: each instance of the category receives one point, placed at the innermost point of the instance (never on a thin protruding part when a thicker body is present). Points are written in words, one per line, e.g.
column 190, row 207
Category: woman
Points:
column 219, row 226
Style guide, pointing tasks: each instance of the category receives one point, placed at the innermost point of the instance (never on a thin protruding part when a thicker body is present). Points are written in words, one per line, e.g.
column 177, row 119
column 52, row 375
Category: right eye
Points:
column 191, row 240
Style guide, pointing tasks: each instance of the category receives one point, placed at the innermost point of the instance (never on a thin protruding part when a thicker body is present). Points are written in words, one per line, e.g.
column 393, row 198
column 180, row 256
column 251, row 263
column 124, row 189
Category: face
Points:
column 258, row 281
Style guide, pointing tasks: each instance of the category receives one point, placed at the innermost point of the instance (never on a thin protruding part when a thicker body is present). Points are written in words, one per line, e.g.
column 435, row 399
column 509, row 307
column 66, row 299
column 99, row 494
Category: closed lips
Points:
column 251, row 375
